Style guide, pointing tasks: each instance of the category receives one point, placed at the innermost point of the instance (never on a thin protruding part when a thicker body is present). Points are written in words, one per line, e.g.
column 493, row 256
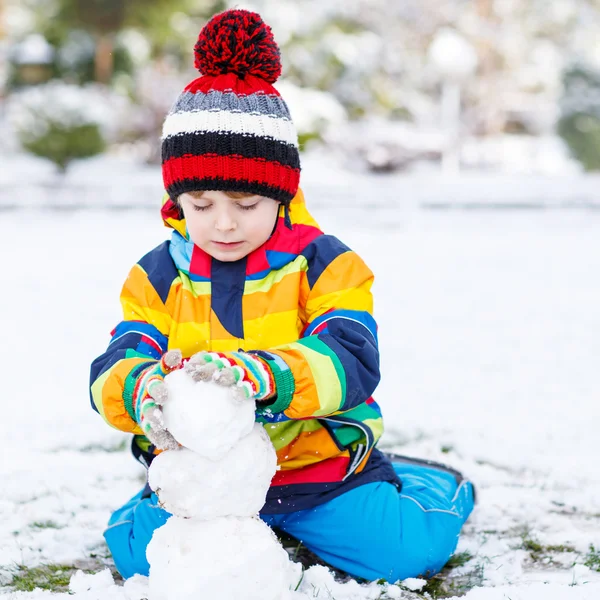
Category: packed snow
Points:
column 192, row 485
column 205, row 417
column 226, row 557
column 488, row 326
column 214, row 497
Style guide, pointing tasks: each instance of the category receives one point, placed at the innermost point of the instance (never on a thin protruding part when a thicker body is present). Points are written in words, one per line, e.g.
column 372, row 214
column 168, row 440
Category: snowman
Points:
column 214, row 481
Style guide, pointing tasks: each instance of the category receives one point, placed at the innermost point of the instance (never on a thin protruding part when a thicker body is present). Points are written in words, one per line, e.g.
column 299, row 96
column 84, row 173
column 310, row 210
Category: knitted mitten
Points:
column 247, row 373
column 149, row 394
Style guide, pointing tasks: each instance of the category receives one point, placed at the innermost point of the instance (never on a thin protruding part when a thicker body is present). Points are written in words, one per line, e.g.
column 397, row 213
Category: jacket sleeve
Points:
column 334, row 366
column 139, row 340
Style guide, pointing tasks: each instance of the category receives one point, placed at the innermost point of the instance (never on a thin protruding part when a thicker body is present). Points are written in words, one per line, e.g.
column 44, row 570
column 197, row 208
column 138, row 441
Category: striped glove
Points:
column 249, row 374
column 149, row 394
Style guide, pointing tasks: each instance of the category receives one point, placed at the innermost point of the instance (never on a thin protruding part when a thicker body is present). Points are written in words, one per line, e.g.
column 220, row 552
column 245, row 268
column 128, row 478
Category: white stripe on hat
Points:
column 224, row 121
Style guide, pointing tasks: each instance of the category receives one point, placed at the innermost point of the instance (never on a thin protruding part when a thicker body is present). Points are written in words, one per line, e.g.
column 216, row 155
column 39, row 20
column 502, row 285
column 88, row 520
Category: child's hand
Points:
column 246, row 372
column 149, row 396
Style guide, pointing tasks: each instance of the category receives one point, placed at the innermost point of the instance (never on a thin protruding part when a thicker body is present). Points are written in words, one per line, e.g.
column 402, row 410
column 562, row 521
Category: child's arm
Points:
column 137, row 343
column 335, row 364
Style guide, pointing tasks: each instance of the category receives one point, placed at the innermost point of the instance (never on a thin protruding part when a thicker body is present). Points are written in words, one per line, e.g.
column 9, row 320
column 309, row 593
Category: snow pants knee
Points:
column 376, row 532
column 372, row 531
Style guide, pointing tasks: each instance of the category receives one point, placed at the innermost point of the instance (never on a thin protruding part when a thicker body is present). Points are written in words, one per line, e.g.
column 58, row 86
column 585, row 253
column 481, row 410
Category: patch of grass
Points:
column 539, row 552
column 459, row 560
column 488, row 463
column 119, row 447
column 46, row 577
column 447, row 585
column 45, row 525
column 534, row 548
column 560, row 548
column 592, row 558
column 435, row 587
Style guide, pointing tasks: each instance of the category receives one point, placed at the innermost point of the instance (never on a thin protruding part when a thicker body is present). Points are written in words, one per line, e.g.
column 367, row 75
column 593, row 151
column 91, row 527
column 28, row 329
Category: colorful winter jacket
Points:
column 304, row 298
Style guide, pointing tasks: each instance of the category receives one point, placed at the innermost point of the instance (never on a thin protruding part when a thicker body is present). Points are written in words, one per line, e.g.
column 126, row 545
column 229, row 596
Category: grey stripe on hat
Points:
column 257, row 104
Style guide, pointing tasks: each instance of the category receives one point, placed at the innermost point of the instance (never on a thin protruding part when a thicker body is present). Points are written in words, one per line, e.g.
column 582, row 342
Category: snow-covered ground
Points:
column 490, row 337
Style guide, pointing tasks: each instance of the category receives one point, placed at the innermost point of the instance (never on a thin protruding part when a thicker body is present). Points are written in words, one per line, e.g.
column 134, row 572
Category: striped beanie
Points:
column 230, row 130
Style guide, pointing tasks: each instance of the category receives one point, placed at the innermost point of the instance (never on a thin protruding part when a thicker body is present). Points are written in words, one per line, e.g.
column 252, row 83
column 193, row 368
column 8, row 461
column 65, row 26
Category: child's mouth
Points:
column 227, row 245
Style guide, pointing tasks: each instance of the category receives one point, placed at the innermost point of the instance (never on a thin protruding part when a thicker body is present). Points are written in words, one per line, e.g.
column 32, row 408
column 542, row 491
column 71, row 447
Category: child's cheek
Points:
column 196, row 234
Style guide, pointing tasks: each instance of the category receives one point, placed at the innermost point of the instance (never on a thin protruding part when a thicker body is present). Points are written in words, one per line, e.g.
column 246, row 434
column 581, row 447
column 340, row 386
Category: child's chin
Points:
column 228, row 256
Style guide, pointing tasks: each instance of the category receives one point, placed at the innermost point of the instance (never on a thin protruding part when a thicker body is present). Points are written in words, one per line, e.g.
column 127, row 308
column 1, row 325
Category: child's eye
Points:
column 196, row 207
column 248, row 206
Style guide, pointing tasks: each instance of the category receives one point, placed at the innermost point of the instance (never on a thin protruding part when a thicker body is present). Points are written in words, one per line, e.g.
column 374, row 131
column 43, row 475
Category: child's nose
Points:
column 225, row 221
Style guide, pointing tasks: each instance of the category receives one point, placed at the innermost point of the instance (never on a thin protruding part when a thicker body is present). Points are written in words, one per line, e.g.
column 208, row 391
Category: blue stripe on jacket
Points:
column 358, row 316
column 358, row 353
column 352, row 335
column 127, row 335
column 320, row 254
column 160, row 269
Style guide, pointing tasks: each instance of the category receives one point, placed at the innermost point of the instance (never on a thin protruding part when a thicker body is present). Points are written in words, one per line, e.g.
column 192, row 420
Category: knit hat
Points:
column 230, row 130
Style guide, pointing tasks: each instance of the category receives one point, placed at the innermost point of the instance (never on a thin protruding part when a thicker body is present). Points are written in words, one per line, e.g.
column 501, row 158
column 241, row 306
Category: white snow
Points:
column 215, row 488
column 312, row 110
column 31, row 112
column 227, row 557
column 204, row 416
column 192, row 485
column 488, row 325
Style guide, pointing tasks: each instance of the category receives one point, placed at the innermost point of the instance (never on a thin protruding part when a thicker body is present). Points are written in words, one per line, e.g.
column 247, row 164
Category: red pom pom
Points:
column 238, row 41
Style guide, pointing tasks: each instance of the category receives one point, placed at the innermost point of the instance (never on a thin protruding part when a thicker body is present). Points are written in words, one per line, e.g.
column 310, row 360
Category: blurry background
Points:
column 499, row 86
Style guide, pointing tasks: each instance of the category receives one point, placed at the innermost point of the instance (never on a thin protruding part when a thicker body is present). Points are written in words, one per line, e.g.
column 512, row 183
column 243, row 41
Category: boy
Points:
column 248, row 279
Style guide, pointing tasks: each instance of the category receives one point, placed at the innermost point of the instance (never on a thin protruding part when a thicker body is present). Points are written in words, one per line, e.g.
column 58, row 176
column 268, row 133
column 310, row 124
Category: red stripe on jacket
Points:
column 328, row 471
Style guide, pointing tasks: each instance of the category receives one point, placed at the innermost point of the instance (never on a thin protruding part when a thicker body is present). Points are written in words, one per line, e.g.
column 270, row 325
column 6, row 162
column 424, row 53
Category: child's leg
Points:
column 130, row 530
column 374, row 531
column 434, row 499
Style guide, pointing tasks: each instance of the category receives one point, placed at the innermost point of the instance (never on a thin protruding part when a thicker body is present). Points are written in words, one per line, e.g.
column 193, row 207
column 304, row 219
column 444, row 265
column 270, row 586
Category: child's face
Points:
column 227, row 228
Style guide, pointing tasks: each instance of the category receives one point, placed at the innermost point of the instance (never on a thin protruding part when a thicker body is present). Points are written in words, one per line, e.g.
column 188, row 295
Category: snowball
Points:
column 205, row 416
column 414, row 583
column 227, row 558
column 135, row 587
column 84, row 582
column 190, row 485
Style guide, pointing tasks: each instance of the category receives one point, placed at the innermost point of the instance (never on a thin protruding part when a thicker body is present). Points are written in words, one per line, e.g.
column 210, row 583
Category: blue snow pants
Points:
column 372, row 531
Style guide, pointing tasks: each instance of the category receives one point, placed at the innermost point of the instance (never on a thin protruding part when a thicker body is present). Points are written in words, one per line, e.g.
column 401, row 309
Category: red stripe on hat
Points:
column 328, row 471
column 231, row 83
column 237, row 168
